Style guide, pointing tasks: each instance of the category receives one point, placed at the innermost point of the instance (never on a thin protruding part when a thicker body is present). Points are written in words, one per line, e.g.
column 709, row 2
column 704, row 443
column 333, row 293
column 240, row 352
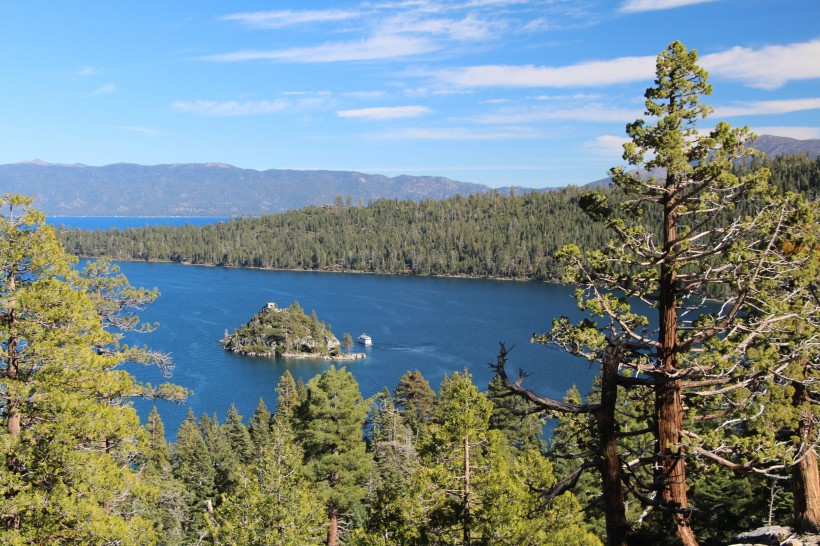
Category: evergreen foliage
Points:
column 68, row 444
column 275, row 331
column 415, row 399
column 331, row 432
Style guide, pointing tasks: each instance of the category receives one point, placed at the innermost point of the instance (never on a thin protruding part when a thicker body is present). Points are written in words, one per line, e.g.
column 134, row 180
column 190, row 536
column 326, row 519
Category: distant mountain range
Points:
column 209, row 189
column 216, row 189
column 772, row 146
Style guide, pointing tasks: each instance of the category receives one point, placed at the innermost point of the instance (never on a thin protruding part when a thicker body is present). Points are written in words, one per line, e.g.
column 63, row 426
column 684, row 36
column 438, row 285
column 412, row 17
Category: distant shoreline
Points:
column 138, row 217
column 350, row 272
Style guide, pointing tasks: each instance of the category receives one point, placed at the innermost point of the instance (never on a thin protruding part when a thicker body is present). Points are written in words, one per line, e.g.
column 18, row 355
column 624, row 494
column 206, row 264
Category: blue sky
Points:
column 499, row 92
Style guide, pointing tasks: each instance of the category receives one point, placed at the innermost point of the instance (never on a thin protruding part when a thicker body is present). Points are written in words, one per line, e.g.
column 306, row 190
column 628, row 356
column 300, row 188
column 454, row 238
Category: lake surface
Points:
column 124, row 222
column 435, row 325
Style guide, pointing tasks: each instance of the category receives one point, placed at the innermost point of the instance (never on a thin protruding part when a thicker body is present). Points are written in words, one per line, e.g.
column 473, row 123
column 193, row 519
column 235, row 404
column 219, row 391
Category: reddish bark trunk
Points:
column 333, row 526
column 805, row 476
column 671, row 468
column 807, row 494
column 617, row 526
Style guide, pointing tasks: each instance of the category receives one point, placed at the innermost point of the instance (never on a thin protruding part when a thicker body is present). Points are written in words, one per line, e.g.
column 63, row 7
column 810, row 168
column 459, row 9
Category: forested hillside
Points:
column 508, row 236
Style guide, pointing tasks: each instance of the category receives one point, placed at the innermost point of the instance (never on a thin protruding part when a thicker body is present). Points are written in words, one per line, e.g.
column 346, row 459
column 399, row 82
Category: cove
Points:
column 435, row 325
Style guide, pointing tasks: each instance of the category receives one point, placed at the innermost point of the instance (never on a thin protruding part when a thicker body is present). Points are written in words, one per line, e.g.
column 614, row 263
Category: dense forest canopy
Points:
column 492, row 235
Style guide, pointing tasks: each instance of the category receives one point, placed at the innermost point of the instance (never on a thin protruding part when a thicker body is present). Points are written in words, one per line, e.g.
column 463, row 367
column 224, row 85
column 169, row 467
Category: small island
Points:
column 286, row 332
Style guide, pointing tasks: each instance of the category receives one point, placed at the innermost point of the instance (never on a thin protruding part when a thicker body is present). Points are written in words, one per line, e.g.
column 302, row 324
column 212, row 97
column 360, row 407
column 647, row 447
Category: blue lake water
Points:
column 124, row 222
column 435, row 325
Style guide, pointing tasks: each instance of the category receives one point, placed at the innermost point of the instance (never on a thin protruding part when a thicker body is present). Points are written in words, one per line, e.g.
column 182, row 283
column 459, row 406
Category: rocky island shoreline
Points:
column 287, row 333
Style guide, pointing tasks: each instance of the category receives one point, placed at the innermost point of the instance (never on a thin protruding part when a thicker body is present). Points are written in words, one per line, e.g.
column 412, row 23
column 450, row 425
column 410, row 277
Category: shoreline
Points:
column 344, row 357
column 349, row 272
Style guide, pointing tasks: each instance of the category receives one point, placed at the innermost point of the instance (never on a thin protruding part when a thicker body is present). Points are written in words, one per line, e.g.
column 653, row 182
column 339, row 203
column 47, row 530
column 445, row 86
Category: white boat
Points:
column 365, row 339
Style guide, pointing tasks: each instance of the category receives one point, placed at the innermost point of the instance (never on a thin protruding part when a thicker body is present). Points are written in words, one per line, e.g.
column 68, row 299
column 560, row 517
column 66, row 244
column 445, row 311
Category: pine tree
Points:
column 238, row 436
column 68, row 443
column 392, row 513
column 331, row 431
column 459, row 425
column 224, row 459
column 272, row 503
column 260, row 426
column 167, row 508
column 415, row 399
column 194, row 468
column 347, row 342
column 289, row 397
column 676, row 240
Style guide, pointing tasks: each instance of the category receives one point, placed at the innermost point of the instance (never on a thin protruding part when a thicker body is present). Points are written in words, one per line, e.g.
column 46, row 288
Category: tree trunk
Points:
column 333, row 526
column 671, row 469
column 13, row 372
column 806, row 493
column 671, row 473
column 805, row 477
column 467, row 499
column 617, row 527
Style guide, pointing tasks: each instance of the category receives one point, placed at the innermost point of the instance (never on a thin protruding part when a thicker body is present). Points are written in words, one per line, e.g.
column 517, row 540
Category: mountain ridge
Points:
column 220, row 189
column 770, row 145
column 206, row 189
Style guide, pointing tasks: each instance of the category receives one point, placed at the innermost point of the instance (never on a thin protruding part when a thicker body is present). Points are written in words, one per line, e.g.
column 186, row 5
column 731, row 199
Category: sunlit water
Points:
column 434, row 325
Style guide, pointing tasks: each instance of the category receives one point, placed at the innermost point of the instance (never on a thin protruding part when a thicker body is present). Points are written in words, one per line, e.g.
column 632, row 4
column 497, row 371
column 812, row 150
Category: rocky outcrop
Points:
column 287, row 332
column 775, row 535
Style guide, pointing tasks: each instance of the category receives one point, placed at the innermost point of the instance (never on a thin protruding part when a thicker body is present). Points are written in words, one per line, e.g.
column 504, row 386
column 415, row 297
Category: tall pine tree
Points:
column 331, row 431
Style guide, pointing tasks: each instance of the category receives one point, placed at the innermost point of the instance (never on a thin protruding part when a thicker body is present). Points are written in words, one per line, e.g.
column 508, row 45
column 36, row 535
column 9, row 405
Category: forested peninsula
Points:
column 482, row 235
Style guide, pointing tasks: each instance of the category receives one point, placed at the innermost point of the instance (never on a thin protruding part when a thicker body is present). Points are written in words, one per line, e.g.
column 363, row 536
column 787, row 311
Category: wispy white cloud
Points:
column 364, row 94
column 631, row 6
column 586, row 113
column 801, row 133
column 574, row 96
column 607, row 145
column 398, row 29
column 429, row 92
column 307, row 93
column 385, row 112
column 104, row 90
column 373, row 48
column 760, row 108
column 148, row 131
column 769, row 67
column 85, row 71
column 457, row 133
column 468, row 28
column 284, row 18
column 541, row 24
column 231, row 108
column 587, row 74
